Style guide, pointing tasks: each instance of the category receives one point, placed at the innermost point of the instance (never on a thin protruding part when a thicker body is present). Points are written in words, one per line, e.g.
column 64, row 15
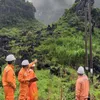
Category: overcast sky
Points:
column 49, row 11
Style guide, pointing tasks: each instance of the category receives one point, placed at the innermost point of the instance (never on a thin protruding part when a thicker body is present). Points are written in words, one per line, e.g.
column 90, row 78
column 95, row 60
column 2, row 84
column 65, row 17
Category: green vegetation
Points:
column 14, row 12
column 61, row 46
column 50, row 86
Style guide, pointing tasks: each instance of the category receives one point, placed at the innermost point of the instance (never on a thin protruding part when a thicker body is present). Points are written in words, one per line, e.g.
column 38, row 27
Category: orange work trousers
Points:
column 9, row 93
column 33, row 92
column 23, row 94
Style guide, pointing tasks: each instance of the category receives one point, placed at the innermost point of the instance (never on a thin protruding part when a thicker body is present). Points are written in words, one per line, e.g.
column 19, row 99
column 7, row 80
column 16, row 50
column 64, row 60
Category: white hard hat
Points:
column 80, row 70
column 10, row 57
column 25, row 62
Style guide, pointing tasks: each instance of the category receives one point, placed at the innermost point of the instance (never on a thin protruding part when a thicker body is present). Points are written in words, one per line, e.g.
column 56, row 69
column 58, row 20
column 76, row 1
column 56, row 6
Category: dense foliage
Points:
column 13, row 12
column 58, row 45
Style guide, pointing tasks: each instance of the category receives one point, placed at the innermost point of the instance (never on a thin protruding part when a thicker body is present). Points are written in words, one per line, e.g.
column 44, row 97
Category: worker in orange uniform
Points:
column 33, row 91
column 8, row 78
column 82, row 85
column 23, row 78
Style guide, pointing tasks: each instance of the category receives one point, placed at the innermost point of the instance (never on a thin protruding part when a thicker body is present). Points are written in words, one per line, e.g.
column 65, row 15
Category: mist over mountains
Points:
column 49, row 11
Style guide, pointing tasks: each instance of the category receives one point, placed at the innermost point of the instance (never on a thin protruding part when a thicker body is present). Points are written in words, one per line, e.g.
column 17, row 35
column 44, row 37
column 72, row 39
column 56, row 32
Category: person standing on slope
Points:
column 33, row 90
column 23, row 78
column 82, row 85
column 8, row 78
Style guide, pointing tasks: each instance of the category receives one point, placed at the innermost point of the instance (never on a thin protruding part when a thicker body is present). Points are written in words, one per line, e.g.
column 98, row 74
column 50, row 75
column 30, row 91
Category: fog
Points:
column 49, row 11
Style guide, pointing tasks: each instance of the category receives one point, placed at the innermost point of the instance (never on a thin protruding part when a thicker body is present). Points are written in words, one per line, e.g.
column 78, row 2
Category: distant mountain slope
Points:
column 15, row 11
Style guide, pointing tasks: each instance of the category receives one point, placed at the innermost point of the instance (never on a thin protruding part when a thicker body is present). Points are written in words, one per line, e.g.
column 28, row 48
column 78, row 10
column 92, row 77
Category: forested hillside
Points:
column 59, row 48
column 14, row 12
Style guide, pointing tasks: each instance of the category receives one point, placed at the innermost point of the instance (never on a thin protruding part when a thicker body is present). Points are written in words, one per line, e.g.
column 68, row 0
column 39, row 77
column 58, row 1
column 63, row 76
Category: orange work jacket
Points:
column 9, row 82
column 8, row 78
column 33, row 91
column 23, row 76
column 82, row 88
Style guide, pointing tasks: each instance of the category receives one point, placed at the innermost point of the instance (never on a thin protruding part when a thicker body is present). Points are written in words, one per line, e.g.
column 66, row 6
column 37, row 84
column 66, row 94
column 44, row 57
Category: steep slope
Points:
column 59, row 45
column 13, row 12
column 17, row 19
